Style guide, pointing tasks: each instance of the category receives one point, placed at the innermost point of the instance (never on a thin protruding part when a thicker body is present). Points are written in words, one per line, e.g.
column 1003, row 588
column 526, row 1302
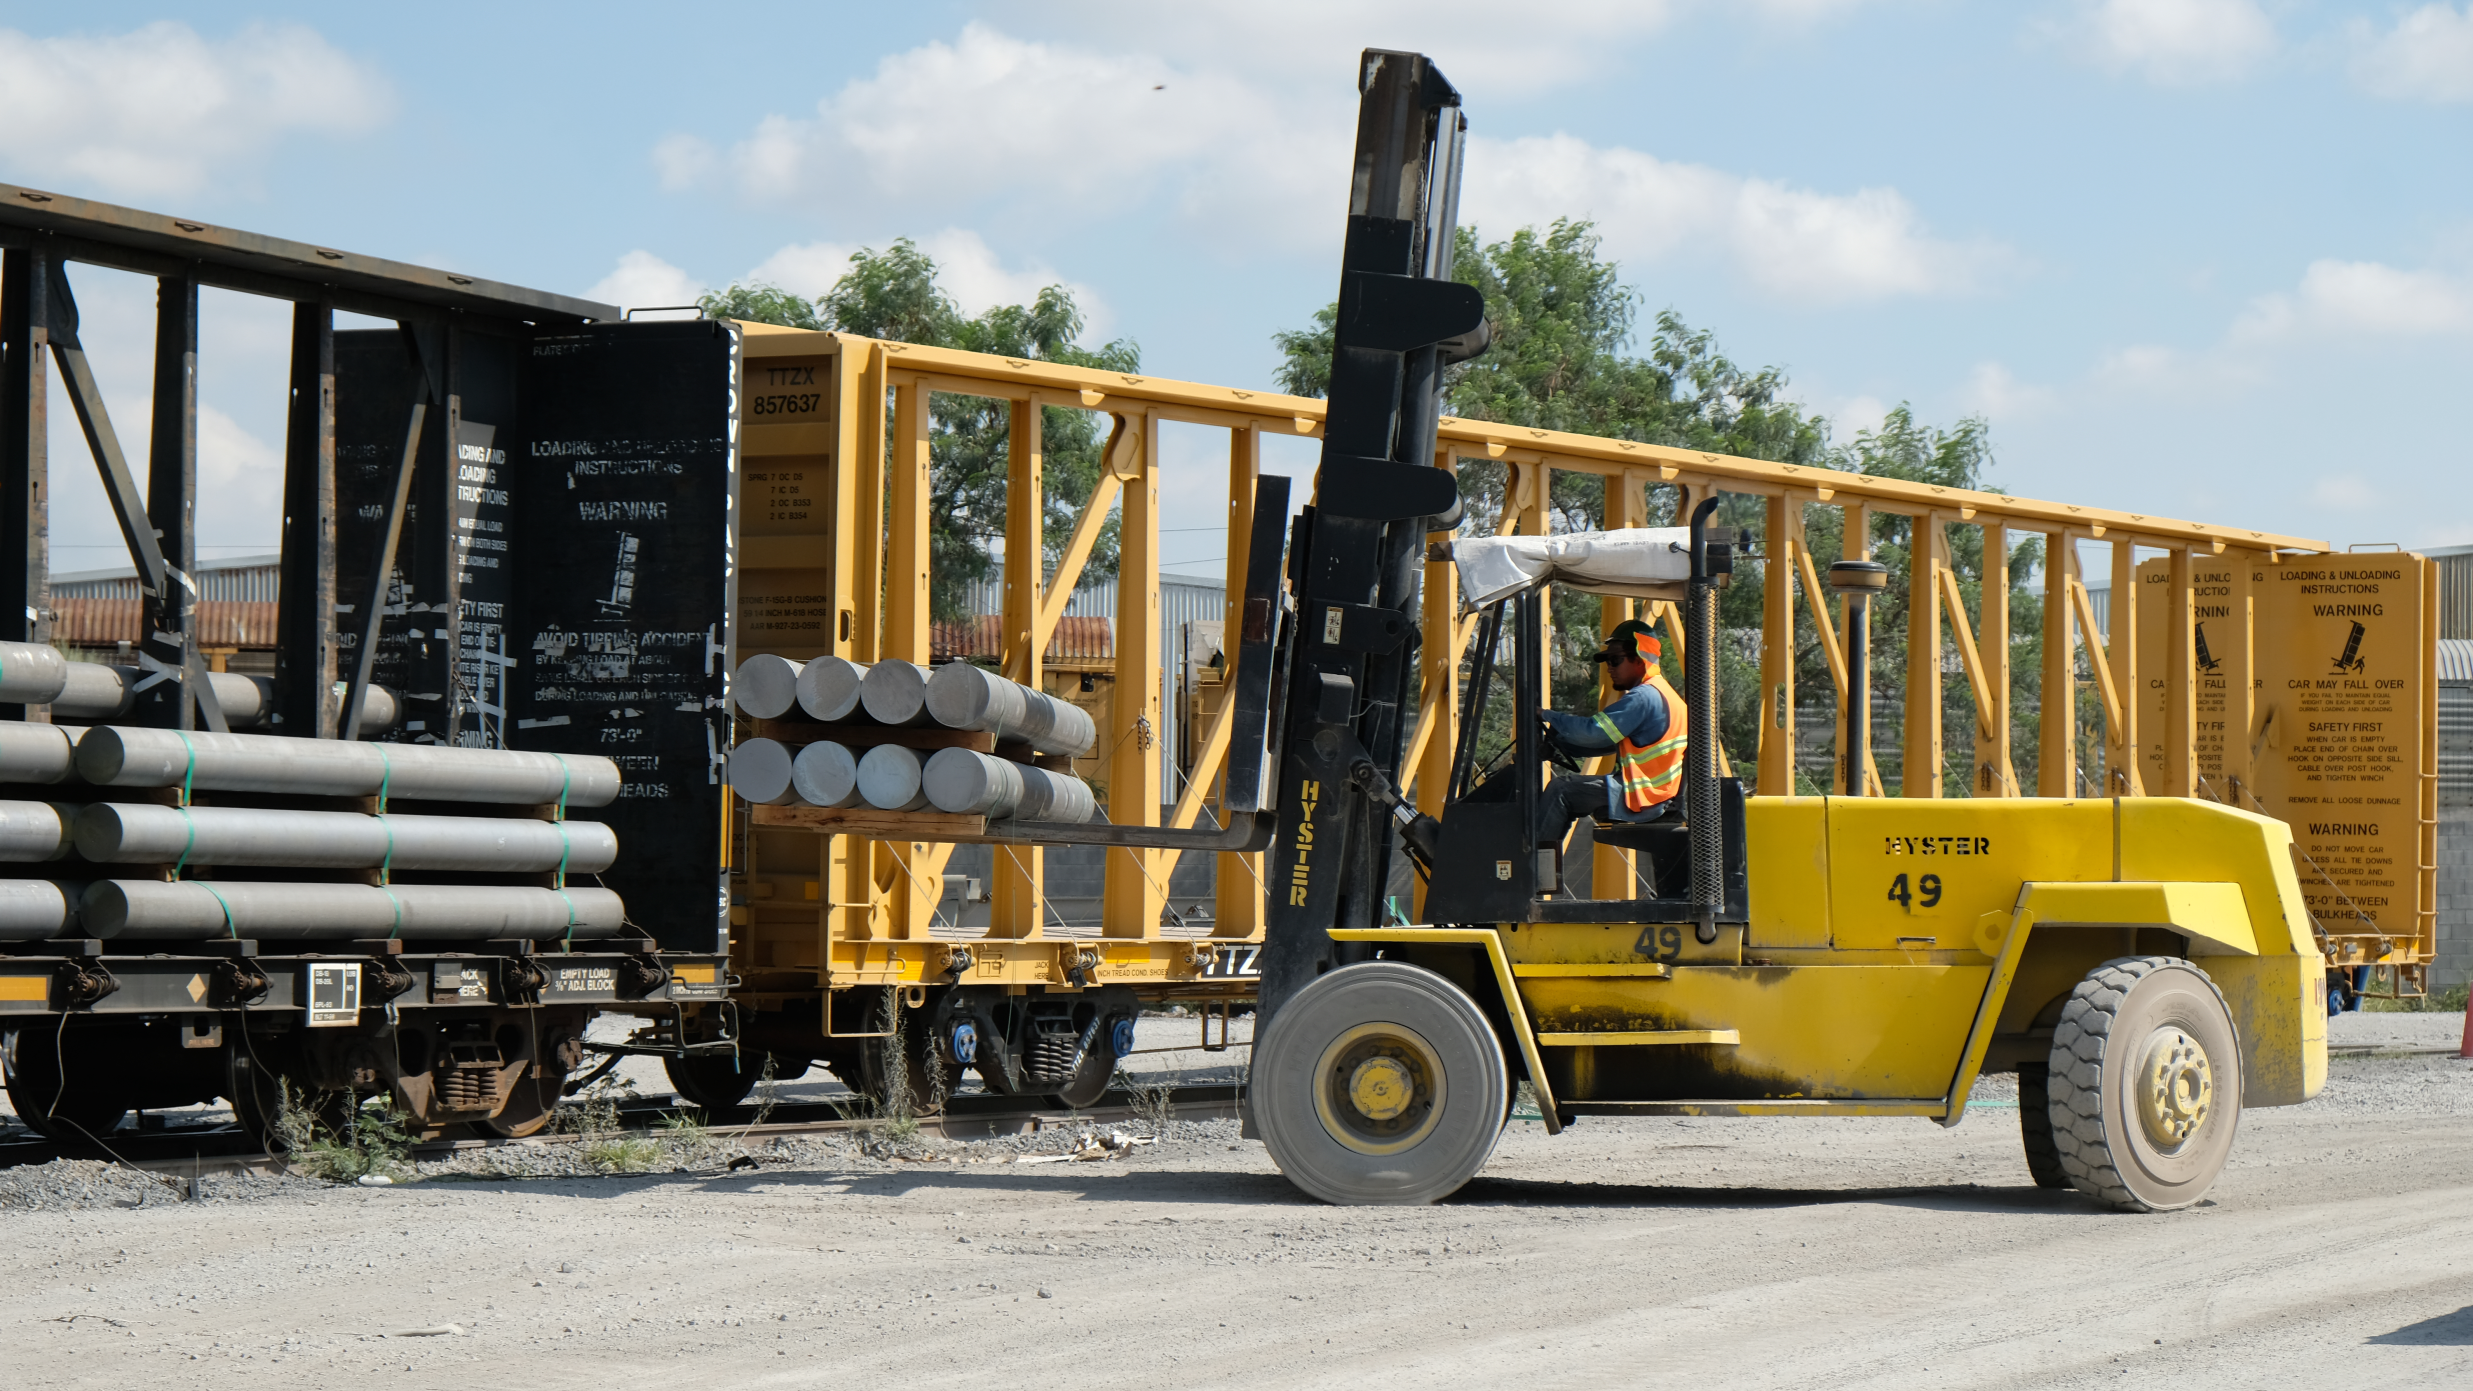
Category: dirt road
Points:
column 1795, row 1253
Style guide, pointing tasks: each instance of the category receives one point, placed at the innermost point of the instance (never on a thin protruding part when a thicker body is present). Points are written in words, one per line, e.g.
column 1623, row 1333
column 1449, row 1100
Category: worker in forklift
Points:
column 1643, row 726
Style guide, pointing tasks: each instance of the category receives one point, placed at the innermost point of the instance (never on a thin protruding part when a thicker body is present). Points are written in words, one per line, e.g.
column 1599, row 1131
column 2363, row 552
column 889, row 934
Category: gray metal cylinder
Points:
column 962, row 696
column 968, row 783
column 93, row 691
column 760, row 772
column 895, row 693
column 147, row 909
column 889, row 778
column 766, row 686
column 31, row 673
column 33, row 909
column 829, row 688
column 1048, row 796
column 826, row 774
column 978, row 784
column 142, row 833
column 39, row 753
column 117, row 756
column 33, row 831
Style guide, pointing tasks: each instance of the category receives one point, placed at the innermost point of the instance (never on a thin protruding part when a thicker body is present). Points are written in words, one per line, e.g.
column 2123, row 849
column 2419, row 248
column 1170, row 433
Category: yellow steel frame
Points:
column 843, row 909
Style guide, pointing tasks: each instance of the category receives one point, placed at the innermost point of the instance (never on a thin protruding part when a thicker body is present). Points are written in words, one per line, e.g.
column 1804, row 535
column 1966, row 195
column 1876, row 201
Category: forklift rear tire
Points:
column 2043, row 1153
column 2145, row 1084
column 1380, row 1083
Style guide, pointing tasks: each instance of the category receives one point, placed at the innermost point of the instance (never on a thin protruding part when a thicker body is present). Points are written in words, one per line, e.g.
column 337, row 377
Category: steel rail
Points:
column 228, row 1148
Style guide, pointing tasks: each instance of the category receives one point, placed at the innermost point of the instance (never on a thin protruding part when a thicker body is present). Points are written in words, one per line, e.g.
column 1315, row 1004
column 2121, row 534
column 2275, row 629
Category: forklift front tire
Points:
column 1381, row 1082
column 2145, row 1084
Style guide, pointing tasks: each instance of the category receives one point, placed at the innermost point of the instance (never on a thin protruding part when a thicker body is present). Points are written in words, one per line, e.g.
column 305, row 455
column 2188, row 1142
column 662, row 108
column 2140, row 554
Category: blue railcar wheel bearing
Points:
column 963, row 1042
column 1120, row 1037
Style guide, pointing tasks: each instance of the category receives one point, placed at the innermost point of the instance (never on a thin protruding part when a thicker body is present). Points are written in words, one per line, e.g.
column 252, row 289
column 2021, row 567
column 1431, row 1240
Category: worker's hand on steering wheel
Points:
column 1552, row 747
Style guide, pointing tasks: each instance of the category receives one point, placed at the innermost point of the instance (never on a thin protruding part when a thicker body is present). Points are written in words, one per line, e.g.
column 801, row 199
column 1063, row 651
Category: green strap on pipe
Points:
column 226, row 904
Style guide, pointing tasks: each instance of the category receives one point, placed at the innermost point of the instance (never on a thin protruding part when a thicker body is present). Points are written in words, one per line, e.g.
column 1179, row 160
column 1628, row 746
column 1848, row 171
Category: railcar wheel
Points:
column 2043, row 1154
column 1380, row 1083
column 75, row 1108
column 1090, row 1080
column 2145, row 1084
column 715, row 1081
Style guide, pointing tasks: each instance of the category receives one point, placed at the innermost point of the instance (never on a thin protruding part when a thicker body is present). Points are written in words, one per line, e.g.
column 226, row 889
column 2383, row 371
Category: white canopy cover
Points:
column 1641, row 562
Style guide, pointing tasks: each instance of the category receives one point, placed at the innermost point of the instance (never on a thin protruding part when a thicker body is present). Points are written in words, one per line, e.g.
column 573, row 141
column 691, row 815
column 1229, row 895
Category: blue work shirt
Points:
column 1641, row 714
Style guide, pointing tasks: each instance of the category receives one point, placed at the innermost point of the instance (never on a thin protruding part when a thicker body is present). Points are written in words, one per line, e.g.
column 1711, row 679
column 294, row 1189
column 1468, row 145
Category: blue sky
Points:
column 2205, row 258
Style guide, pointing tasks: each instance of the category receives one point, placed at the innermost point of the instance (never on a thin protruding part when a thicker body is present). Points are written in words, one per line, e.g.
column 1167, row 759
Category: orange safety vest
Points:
column 1652, row 774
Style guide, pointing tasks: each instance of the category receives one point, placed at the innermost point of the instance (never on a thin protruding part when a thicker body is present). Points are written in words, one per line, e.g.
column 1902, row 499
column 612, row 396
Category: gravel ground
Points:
column 1787, row 1253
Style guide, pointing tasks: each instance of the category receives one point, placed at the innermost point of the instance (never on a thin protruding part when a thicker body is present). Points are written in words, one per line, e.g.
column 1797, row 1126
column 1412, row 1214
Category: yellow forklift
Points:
column 2144, row 965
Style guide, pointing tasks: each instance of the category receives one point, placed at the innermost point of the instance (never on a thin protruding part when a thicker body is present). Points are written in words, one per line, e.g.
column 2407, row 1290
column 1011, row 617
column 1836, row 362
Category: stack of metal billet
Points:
column 853, row 747
column 163, row 835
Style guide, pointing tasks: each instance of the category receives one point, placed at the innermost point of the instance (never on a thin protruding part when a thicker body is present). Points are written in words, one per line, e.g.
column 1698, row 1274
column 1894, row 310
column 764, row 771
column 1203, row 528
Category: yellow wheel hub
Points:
column 1380, row 1088
column 2176, row 1088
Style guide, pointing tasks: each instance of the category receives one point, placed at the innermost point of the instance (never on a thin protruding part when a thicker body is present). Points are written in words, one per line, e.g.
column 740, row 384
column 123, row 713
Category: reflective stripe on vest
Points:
column 1653, row 774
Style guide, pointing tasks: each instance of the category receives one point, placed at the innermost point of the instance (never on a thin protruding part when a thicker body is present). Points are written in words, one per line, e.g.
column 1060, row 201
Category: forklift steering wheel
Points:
column 1554, row 751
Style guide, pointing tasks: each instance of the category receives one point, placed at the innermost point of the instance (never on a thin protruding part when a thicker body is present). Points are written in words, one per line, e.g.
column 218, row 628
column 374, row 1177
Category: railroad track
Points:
column 216, row 1150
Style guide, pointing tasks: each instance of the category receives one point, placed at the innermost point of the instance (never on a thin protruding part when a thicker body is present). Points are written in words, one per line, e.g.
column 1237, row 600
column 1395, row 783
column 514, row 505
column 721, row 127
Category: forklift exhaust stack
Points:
column 1706, row 825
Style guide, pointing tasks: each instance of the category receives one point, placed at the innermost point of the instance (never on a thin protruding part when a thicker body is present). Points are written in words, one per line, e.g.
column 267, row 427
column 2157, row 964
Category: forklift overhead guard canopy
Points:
column 1640, row 562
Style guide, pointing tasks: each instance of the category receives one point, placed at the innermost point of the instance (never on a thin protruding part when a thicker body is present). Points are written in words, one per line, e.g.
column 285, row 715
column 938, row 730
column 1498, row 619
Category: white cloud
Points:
column 807, row 270
column 240, row 477
column 1315, row 43
column 1994, row 392
column 683, row 161
column 642, row 280
column 2428, row 56
column 949, row 125
column 970, row 272
column 1855, row 415
column 2346, row 492
column 2174, row 43
column 160, row 111
column 1795, row 243
column 2360, row 299
column 988, row 129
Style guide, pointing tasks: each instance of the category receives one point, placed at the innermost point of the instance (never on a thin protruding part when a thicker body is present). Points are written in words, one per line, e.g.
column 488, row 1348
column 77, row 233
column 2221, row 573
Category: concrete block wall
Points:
column 2454, row 963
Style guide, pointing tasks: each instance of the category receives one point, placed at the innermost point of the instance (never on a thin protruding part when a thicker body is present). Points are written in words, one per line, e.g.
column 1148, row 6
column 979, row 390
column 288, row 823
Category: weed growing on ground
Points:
column 622, row 1154
column 685, row 1135
column 2448, row 1001
column 1154, row 1103
column 371, row 1140
column 592, row 1117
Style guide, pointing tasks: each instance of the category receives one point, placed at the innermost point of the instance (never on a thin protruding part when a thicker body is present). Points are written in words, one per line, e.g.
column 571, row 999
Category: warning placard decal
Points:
column 2339, row 709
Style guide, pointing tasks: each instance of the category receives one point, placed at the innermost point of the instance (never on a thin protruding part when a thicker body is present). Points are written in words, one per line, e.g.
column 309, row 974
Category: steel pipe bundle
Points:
column 895, row 693
column 35, row 830
column 117, row 756
column 123, row 833
column 962, row 696
column 765, row 686
column 33, row 909
column 39, row 753
column 889, row 777
column 826, row 774
column 760, row 772
column 89, row 691
column 829, row 688
column 134, row 909
column 977, row 784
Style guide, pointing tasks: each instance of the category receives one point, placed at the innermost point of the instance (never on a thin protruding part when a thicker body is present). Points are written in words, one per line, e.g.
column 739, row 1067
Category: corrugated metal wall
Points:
column 248, row 579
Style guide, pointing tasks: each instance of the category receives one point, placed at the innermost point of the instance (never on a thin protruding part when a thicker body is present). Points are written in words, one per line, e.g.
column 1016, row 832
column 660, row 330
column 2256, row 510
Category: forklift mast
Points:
column 1354, row 552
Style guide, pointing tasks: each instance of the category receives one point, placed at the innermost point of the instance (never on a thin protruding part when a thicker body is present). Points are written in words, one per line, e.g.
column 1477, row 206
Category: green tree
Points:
column 1563, row 326
column 895, row 294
